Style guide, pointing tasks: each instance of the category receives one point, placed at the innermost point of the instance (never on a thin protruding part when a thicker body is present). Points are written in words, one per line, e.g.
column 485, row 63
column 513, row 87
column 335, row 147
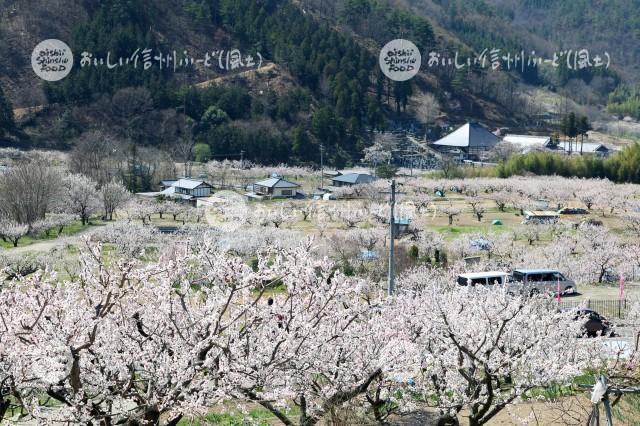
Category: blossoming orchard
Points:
column 172, row 308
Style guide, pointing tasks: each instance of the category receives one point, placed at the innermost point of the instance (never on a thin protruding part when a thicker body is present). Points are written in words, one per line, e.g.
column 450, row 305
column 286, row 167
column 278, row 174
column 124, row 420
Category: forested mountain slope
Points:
column 553, row 26
column 322, row 84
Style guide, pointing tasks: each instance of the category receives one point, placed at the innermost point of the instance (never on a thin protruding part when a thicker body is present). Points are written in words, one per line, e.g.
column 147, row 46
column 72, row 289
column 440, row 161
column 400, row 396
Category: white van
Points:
column 483, row 278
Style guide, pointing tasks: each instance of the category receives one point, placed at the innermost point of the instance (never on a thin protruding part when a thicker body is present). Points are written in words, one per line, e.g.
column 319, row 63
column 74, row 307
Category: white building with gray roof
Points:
column 275, row 187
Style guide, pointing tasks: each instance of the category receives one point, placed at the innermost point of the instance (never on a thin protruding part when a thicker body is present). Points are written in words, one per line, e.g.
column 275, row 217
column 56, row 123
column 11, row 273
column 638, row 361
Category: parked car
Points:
column 480, row 244
column 611, row 276
column 594, row 323
column 537, row 281
column 591, row 222
column 483, row 278
column 539, row 217
column 573, row 210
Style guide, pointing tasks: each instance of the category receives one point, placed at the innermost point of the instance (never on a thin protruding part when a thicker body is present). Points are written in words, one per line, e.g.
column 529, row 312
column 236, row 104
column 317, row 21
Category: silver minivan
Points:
column 536, row 281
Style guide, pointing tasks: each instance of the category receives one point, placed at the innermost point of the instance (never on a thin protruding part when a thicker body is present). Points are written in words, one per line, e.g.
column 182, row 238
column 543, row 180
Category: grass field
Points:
column 71, row 230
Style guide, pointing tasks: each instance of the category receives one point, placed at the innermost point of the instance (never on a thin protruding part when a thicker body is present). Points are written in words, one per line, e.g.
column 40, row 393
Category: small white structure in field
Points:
column 541, row 216
column 528, row 143
column 592, row 148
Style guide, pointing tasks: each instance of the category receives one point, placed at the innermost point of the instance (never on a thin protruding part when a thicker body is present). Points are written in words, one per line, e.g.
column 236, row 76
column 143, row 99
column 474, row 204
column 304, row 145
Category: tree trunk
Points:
column 152, row 416
column 304, row 419
column 601, row 277
column 266, row 404
column 447, row 420
column 4, row 406
column 175, row 420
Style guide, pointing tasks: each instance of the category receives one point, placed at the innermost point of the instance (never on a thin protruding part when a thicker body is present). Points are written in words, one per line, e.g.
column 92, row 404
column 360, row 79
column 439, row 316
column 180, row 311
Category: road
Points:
column 48, row 245
column 252, row 72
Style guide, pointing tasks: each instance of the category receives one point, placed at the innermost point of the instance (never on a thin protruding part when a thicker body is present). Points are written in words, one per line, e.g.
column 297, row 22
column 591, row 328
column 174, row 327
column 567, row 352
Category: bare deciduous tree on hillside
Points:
column 426, row 107
column 96, row 154
column 130, row 105
column 182, row 147
column 114, row 196
column 27, row 189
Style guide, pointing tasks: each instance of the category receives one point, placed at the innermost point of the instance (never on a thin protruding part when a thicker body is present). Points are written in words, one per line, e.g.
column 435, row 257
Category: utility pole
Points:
column 411, row 158
column 600, row 393
column 392, row 220
column 321, row 166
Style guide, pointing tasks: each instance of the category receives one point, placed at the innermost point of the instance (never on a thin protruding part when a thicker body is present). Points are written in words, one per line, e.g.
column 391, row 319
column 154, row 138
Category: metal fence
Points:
column 609, row 308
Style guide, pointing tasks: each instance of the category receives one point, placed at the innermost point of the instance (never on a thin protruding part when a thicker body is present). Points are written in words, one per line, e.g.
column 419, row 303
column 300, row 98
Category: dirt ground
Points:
column 570, row 411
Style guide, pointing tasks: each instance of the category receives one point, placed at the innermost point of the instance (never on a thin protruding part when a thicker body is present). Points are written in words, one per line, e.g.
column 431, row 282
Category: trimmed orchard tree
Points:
column 320, row 345
column 601, row 252
column 117, row 345
column 451, row 213
column 478, row 350
column 81, row 196
column 133, row 343
column 12, row 231
column 477, row 207
column 114, row 196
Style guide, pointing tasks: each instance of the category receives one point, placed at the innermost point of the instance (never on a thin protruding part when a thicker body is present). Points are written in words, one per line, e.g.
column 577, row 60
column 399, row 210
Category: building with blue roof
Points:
column 350, row 179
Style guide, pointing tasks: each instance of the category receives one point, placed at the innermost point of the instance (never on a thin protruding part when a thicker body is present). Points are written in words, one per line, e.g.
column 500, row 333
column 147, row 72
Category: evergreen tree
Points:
column 569, row 128
column 202, row 152
column 7, row 122
column 323, row 125
column 117, row 28
column 214, row 116
column 582, row 127
column 301, row 144
column 402, row 91
column 375, row 117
